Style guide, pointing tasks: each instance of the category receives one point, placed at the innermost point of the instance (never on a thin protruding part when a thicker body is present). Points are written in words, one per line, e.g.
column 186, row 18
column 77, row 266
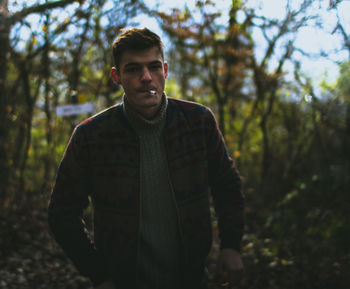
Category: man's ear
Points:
column 115, row 76
column 166, row 69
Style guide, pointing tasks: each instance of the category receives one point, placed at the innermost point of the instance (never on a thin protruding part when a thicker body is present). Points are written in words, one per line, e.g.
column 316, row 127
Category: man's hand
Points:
column 106, row 285
column 229, row 267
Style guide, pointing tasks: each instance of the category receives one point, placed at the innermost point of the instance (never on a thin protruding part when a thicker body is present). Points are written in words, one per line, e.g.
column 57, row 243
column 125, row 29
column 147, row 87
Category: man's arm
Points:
column 225, row 183
column 69, row 198
column 228, row 199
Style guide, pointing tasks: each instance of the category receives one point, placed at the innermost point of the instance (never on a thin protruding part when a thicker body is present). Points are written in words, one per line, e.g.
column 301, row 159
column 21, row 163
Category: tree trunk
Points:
column 4, row 107
column 6, row 21
column 266, row 157
column 48, row 124
column 221, row 115
column 346, row 147
column 27, row 119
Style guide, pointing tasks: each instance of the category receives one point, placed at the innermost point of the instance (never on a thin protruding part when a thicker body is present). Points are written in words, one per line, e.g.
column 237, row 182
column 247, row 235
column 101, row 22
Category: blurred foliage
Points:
column 288, row 134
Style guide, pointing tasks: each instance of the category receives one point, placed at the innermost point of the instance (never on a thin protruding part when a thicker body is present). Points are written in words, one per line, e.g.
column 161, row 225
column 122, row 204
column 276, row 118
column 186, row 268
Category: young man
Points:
column 147, row 165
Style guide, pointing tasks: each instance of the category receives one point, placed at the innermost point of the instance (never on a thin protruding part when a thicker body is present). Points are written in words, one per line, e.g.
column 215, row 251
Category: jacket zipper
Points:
column 173, row 195
column 139, row 218
column 184, row 253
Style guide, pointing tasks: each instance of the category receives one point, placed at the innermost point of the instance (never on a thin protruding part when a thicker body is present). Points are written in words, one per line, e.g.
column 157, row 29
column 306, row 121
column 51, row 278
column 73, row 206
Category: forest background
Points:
column 287, row 128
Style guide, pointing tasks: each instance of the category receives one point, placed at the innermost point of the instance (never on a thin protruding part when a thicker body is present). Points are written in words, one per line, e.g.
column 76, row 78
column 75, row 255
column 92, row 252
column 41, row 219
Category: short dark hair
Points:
column 135, row 39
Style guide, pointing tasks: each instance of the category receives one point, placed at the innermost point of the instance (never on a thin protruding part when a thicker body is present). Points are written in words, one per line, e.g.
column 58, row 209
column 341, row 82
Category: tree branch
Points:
column 18, row 16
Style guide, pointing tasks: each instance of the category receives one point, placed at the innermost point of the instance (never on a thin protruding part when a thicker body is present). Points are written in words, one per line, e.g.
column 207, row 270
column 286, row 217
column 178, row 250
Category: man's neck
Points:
column 141, row 120
column 146, row 112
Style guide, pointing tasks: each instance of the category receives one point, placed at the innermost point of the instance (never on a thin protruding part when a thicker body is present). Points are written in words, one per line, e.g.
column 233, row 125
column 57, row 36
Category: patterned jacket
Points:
column 101, row 164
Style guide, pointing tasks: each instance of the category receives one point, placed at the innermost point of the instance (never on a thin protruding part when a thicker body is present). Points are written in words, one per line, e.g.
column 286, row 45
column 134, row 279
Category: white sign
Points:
column 72, row 109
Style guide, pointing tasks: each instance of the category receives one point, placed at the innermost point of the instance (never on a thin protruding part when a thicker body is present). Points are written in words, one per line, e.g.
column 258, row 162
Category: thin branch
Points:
column 18, row 16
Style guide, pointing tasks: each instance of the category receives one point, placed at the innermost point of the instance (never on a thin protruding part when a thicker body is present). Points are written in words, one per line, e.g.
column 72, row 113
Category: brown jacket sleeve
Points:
column 69, row 198
column 225, row 183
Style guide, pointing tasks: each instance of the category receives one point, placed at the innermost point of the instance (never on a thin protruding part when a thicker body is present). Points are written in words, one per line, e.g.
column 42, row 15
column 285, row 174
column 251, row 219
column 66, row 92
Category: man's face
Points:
column 142, row 75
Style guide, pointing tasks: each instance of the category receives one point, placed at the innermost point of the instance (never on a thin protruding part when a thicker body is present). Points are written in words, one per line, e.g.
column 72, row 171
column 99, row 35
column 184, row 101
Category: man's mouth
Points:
column 150, row 91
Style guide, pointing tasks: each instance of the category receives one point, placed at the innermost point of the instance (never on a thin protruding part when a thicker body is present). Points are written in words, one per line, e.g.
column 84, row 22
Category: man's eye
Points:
column 155, row 67
column 132, row 69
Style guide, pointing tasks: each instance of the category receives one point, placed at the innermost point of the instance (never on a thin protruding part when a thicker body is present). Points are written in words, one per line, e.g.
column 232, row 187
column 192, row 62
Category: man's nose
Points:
column 146, row 75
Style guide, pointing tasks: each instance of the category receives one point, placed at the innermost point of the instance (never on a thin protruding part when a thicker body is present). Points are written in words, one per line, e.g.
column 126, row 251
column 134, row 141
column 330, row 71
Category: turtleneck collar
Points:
column 139, row 122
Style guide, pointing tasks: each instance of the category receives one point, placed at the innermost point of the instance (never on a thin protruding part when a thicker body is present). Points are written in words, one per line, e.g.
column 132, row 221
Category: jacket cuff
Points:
column 231, row 243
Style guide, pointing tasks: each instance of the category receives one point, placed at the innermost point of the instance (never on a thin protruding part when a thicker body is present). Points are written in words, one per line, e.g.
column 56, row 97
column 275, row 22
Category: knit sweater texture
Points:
column 159, row 249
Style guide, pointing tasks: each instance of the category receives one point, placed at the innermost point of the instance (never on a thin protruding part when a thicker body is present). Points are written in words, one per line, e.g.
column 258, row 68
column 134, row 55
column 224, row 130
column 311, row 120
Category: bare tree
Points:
column 7, row 20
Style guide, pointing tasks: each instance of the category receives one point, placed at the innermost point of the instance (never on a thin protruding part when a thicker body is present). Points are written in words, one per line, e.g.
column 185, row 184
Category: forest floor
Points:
column 31, row 259
column 29, row 256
